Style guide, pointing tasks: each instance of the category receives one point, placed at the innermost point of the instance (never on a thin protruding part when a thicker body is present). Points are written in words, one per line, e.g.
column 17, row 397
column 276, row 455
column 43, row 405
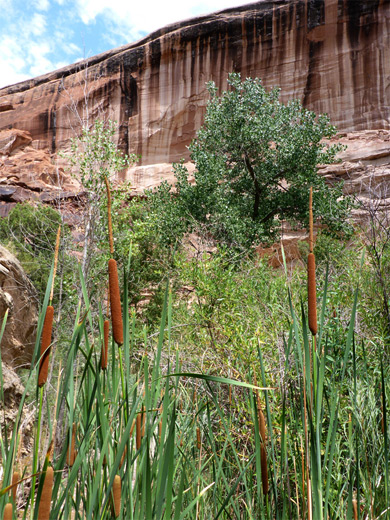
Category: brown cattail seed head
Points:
column 115, row 302
column 45, row 346
column 262, row 426
column 312, row 293
column 72, row 447
column 106, row 329
column 264, row 469
column 138, row 432
column 117, row 491
column 8, row 510
column 45, row 502
column 198, row 438
column 355, row 509
column 14, row 483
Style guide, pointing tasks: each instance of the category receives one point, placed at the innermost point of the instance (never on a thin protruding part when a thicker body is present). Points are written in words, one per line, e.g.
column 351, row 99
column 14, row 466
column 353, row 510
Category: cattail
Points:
column 104, row 361
column 311, row 273
column 14, row 483
column 355, row 510
column 311, row 291
column 45, row 502
column 159, row 430
column 72, row 448
column 117, row 491
column 115, row 302
column 8, row 512
column 198, row 438
column 45, row 346
column 138, row 432
column 263, row 451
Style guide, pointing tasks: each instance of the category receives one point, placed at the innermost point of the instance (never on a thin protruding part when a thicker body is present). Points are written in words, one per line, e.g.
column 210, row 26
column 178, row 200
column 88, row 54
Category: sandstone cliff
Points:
column 332, row 54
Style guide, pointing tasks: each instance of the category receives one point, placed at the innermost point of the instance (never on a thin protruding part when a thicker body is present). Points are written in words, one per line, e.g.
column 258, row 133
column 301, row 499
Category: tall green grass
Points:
column 200, row 452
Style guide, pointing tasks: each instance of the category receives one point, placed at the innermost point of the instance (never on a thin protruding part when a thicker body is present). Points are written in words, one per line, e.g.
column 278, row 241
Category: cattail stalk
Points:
column 104, row 361
column 45, row 346
column 110, row 234
column 57, row 248
column 312, row 293
column 115, row 302
column 45, row 502
column 263, row 444
column 311, row 273
column 117, row 492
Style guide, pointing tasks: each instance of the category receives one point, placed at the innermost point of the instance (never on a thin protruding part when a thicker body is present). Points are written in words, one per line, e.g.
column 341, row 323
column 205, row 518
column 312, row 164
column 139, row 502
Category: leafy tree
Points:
column 255, row 159
column 94, row 157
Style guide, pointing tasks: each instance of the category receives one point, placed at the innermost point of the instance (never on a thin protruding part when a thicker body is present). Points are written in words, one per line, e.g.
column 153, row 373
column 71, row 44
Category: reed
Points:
column 45, row 346
column 106, row 334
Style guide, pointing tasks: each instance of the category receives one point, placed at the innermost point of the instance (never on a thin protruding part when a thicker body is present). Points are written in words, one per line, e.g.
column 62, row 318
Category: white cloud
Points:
column 42, row 5
column 71, row 48
column 140, row 17
column 37, row 24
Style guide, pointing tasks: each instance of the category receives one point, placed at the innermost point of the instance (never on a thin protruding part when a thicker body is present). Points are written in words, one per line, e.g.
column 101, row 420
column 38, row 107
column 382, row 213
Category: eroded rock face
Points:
column 332, row 54
column 18, row 296
column 27, row 173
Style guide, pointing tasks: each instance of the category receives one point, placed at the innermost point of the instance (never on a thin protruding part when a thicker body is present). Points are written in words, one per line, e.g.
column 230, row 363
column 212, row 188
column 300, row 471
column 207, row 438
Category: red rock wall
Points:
column 332, row 54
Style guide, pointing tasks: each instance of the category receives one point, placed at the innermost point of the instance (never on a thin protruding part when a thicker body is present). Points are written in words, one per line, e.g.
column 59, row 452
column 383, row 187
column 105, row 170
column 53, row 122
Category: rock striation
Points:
column 332, row 54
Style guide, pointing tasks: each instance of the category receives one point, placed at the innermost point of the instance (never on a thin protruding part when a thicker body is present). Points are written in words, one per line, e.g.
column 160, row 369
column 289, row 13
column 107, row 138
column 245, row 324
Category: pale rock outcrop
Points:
column 28, row 173
column 18, row 297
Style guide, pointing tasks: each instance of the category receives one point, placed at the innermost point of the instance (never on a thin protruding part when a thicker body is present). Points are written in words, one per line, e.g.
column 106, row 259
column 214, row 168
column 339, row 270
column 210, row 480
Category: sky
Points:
column 39, row 36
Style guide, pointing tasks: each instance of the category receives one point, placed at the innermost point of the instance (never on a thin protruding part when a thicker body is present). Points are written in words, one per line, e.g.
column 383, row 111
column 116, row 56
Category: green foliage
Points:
column 255, row 159
column 95, row 157
column 325, row 405
column 30, row 232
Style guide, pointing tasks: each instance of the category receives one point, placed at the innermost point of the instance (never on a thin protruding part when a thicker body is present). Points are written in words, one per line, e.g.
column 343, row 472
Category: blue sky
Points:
column 38, row 36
